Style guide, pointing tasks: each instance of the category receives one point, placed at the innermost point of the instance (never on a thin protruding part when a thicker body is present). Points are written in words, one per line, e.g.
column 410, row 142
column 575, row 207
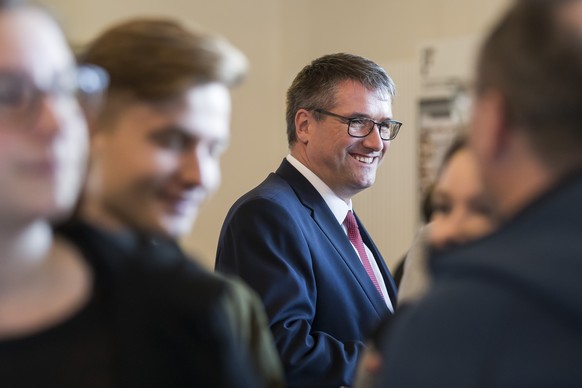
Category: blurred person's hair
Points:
column 158, row 60
column 533, row 57
column 315, row 85
column 426, row 204
column 457, row 144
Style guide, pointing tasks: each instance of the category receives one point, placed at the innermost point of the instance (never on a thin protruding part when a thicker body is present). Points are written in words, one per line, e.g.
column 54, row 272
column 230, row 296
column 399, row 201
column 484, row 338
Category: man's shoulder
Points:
column 537, row 252
column 273, row 192
column 273, row 185
column 528, row 267
column 283, row 185
column 480, row 320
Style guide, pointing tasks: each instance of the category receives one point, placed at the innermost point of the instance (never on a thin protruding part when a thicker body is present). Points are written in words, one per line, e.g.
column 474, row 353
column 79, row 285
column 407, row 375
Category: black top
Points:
column 155, row 319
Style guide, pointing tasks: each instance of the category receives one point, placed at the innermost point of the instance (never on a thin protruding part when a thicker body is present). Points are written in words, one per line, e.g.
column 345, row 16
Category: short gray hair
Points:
column 315, row 86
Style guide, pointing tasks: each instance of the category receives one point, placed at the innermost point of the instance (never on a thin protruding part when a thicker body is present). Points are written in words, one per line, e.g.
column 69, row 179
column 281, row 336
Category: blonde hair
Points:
column 155, row 60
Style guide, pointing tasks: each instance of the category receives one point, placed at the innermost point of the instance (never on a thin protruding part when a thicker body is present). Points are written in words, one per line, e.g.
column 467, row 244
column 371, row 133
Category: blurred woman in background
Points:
column 459, row 212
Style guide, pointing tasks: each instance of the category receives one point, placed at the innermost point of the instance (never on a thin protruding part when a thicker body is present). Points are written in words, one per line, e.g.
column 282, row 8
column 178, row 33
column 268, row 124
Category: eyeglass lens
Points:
column 21, row 97
column 362, row 127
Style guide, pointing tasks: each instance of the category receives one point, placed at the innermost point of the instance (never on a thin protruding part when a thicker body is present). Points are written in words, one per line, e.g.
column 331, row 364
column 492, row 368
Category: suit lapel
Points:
column 329, row 226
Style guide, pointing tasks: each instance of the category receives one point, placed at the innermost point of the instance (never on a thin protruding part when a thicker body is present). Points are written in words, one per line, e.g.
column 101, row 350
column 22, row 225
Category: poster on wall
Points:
column 444, row 103
column 441, row 118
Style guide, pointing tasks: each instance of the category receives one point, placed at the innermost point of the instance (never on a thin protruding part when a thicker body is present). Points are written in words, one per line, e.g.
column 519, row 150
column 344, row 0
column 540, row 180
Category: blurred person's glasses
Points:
column 362, row 126
column 21, row 98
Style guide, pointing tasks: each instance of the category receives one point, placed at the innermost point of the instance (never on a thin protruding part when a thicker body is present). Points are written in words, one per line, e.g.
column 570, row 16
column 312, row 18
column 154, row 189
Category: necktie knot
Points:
column 352, row 226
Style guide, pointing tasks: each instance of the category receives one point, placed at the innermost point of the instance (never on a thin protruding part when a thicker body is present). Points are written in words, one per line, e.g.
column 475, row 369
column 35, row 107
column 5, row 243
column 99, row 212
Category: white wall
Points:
column 280, row 37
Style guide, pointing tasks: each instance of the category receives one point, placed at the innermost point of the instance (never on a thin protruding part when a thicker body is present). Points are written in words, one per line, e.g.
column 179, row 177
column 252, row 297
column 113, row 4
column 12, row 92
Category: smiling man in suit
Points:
column 295, row 239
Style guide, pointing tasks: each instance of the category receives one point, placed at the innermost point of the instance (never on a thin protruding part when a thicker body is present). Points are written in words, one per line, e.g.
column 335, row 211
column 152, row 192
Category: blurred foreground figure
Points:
column 78, row 309
column 155, row 154
column 505, row 311
column 458, row 211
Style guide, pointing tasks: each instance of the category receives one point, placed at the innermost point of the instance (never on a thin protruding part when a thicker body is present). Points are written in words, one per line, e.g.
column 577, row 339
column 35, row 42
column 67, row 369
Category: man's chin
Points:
column 176, row 227
column 365, row 183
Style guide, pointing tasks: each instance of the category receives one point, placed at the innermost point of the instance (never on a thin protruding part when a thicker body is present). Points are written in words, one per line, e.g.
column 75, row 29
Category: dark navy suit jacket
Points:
column 284, row 241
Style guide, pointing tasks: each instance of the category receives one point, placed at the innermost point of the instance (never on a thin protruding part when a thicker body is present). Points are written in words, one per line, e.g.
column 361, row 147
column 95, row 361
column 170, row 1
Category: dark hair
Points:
column 534, row 58
column 459, row 143
column 155, row 60
column 426, row 203
column 315, row 86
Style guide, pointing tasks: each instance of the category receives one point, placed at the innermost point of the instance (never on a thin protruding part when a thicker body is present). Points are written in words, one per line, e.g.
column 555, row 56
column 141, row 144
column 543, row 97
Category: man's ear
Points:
column 491, row 130
column 303, row 122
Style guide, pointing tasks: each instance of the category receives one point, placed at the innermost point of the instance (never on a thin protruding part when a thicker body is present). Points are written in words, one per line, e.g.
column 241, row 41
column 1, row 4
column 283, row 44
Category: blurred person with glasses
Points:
column 71, row 310
column 295, row 239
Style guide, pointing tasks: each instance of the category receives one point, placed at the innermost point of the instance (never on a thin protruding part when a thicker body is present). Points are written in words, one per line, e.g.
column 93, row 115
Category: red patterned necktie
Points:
column 356, row 240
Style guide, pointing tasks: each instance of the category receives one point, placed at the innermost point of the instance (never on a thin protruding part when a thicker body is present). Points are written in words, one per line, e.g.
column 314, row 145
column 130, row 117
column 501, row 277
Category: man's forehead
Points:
column 30, row 41
column 350, row 86
column 201, row 124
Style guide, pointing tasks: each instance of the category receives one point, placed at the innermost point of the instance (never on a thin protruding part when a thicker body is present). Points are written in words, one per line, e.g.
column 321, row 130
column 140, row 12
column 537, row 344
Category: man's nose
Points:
column 373, row 141
column 48, row 115
column 190, row 171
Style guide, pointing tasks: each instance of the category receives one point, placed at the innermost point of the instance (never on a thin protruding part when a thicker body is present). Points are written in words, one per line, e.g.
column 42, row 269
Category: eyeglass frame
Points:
column 87, row 85
column 348, row 120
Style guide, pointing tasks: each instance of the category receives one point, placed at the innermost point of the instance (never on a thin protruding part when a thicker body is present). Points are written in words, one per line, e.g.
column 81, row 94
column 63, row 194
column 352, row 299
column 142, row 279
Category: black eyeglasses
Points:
column 362, row 126
column 21, row 98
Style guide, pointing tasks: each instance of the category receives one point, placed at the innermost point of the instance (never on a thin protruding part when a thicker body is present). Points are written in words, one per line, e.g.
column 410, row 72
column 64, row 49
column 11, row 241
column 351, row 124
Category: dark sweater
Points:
column 505, row 311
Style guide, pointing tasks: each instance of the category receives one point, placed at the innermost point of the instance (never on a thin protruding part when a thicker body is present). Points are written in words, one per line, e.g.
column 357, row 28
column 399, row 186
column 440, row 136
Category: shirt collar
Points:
column 337, row 206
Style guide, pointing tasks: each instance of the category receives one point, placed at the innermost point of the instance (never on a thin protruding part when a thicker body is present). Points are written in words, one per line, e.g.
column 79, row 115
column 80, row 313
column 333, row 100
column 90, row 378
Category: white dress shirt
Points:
column 340, row 209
